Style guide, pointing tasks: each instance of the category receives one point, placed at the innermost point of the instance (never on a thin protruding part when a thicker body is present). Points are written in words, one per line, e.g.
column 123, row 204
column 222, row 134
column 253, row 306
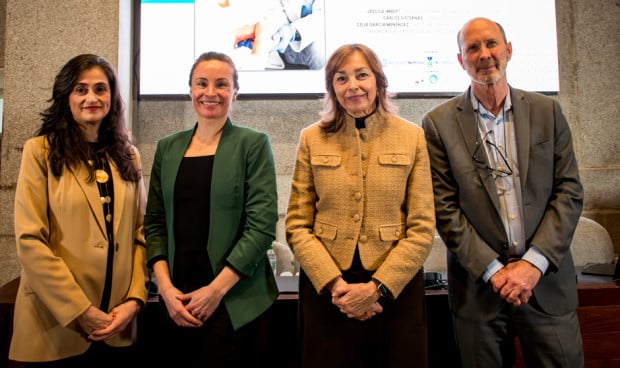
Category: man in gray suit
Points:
column 507, row 199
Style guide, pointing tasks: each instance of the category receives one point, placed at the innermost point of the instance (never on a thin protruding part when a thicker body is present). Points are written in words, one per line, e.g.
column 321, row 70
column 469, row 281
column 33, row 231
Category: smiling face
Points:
column 212, row 89
column 355, row 85
column 90, row 98
column 484, row 52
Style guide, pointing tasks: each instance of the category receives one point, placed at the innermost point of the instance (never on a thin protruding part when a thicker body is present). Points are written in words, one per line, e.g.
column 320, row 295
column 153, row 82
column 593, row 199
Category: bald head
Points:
column 476, row 23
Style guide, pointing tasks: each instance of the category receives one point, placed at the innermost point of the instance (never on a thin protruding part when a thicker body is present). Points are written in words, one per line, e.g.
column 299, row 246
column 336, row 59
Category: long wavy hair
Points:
column 333, row 114
column 67, row 145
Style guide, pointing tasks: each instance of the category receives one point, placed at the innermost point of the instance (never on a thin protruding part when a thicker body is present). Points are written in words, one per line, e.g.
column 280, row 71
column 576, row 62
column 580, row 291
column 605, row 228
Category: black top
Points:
column 106, row 194
column 192, row 200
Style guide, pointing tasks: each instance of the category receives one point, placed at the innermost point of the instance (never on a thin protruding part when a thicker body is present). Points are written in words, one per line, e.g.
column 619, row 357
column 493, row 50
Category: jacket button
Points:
column 363, row 239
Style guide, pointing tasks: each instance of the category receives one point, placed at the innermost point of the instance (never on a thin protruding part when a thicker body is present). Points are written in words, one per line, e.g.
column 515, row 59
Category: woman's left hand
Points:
column 201, row 303
column 122, row 315
column 357, row 300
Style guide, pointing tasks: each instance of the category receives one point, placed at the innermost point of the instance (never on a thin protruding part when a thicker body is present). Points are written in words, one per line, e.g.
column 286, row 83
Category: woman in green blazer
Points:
column 211, row 216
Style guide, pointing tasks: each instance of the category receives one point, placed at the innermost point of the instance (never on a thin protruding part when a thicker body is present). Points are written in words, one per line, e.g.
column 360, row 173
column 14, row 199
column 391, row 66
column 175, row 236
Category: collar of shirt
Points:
column 485, row 117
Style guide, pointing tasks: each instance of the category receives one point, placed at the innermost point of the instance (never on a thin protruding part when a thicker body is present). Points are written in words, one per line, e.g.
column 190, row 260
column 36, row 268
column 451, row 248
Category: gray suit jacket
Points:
column 467, row 207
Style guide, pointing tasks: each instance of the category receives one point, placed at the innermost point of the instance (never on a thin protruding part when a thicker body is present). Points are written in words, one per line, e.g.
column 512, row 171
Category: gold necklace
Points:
column 102, row 177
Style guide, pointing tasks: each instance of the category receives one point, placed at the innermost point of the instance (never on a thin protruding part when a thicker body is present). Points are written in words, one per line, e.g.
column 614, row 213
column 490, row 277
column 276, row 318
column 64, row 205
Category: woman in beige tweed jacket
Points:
column 361, row 222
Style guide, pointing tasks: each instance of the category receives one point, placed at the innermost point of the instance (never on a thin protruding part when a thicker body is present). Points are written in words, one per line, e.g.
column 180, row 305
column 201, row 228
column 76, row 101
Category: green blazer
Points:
column 244, row 213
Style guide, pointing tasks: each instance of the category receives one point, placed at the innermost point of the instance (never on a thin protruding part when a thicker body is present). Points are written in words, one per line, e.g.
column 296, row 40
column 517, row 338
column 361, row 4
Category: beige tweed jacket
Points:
column 368, row 188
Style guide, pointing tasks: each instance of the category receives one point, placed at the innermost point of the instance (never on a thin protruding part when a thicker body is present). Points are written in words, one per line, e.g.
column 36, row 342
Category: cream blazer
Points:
column 369, row 189
column 63, row 247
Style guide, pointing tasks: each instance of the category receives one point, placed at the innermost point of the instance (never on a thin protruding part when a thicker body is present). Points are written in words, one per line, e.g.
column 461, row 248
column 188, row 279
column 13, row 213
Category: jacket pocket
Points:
column 326, row 160
column 392, row 232
column 400, row 159
column 325, row 231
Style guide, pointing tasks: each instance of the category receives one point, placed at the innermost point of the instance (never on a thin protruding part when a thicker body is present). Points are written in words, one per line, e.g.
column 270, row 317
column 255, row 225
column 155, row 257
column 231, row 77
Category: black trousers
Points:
column 215, row 344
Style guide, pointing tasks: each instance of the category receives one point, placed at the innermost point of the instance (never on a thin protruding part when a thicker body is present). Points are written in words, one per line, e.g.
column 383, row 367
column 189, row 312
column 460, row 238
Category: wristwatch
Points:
column 383, row 290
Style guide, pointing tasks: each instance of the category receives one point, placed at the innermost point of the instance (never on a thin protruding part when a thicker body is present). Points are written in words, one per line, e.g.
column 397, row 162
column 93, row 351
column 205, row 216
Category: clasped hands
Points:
column 99, row 325
column 283, row 37
column 359, row 300
column 255, row 33
column 191, row 309
column 515, row 281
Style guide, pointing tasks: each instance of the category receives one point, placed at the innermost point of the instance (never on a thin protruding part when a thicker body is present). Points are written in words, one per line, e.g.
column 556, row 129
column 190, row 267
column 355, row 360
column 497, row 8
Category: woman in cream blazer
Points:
column 79, row 210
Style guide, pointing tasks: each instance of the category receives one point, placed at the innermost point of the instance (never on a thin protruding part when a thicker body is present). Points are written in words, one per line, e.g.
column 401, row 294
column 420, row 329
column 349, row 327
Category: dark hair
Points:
column 212, row 55
column 333, row 113
column 66, row 140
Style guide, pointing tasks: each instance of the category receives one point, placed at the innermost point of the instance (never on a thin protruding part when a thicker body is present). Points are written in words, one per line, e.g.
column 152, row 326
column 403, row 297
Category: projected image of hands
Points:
column 263, row 34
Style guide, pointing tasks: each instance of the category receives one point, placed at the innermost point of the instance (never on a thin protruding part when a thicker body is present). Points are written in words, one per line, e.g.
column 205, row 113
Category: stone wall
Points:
column 42, row 35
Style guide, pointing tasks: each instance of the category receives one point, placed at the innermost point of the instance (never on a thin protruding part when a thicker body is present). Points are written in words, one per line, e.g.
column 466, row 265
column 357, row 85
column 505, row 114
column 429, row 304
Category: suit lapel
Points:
column 466, row 120
column 521, row 113
column 226, row 151
column 120, row 186
column 171, row 162
column 91, row 193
